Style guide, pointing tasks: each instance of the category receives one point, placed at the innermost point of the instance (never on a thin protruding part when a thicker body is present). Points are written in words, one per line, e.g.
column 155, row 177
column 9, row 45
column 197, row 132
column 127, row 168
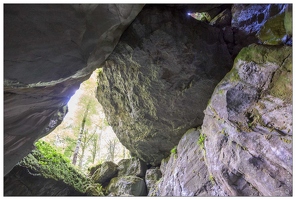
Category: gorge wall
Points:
column 218, row 91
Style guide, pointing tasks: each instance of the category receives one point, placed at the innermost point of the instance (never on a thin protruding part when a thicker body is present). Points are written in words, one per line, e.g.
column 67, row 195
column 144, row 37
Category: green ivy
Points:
column 50, row 163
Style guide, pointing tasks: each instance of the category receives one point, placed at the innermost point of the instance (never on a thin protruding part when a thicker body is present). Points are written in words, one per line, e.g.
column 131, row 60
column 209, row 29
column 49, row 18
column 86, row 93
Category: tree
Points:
column 75, row 155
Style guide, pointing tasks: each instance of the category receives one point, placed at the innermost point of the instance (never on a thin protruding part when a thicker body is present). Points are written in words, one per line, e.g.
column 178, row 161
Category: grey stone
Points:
column 186, row 173
column 126, row 186
column 151, row 178
column 248, row 124
column 132, row 167
column 48, row 51
column 105, row 172
column 156, row 83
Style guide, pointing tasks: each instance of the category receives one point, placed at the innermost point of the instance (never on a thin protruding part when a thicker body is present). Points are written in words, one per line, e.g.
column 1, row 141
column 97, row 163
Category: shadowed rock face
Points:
column 48, row 51
column 158, row 80
column 23, row 182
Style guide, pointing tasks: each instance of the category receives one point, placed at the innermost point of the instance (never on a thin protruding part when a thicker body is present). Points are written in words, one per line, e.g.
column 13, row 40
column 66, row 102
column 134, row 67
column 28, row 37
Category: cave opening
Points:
column 84, row 136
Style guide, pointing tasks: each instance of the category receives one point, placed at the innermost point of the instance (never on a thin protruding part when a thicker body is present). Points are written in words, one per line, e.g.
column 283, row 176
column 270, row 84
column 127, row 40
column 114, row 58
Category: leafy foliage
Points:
column 51, row 164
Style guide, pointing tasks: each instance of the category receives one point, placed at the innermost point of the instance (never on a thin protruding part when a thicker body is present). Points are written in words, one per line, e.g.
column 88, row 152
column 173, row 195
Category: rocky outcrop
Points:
column 23, row 182
column 105, row 172
column 248, row 124
column 48, row 51
column 156, row 83
column 245, row 145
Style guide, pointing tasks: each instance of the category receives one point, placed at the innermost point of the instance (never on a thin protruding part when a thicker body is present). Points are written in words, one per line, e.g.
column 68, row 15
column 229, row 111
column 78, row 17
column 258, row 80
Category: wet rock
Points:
column 23, row 182
column 156, row 83
column 248, row 124
column 48, row 51
column 151, row 178
column 105, row 172
column 127, row 186
column 132, row 167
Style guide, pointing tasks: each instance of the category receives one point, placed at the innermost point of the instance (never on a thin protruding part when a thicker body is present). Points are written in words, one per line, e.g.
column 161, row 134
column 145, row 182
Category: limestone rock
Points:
column 151, row 178
column 105, row 172
column 186, row 173
column 126, row 186
column 48, row 51
column 21, row 182
column 132, row 167
column 156, row 83
column 248, row 124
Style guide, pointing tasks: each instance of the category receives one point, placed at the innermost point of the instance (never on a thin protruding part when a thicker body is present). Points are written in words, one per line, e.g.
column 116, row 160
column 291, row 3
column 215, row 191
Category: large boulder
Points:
column 132, row 167
column 48, row 51
column 105, row 172
column 248, row 124
column 158, row 80
column 127, row 186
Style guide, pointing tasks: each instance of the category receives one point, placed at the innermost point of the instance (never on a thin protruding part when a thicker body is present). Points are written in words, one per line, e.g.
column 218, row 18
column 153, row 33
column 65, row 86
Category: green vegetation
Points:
column 201, row 140
column 212, row 178
column 174, row 150
column 48, row 162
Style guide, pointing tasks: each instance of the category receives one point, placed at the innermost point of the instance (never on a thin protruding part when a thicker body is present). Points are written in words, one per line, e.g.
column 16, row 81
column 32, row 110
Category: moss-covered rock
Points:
column 49, row 163
column 273, row 32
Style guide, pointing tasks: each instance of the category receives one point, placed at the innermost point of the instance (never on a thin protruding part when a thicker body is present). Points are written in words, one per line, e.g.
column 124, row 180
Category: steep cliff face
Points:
column 48, row 51
column 156, row 83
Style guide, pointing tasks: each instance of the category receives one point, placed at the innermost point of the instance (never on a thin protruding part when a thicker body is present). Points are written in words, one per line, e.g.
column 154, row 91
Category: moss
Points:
column 281, row 85
column 201, row 140
column 49, row 163
column 212, row 179
column 286, row 140
column 273, row 30
column 174, row 150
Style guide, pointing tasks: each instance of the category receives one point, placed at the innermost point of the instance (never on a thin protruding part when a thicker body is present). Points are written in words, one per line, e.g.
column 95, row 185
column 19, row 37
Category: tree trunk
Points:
column 75, row 155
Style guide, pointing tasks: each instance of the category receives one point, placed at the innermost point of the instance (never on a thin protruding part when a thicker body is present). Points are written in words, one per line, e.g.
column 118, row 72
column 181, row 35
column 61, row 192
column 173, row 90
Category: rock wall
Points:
column 244, row 147
column 48, row 51
column 248, row 124
column 156, row 83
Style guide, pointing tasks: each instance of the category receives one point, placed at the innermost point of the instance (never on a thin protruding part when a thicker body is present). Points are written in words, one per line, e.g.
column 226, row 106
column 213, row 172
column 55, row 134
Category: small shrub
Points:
column 201, row 140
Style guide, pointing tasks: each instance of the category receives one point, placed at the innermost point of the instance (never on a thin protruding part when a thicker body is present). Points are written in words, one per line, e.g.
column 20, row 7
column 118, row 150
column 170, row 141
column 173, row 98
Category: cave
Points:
column 178, row 83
